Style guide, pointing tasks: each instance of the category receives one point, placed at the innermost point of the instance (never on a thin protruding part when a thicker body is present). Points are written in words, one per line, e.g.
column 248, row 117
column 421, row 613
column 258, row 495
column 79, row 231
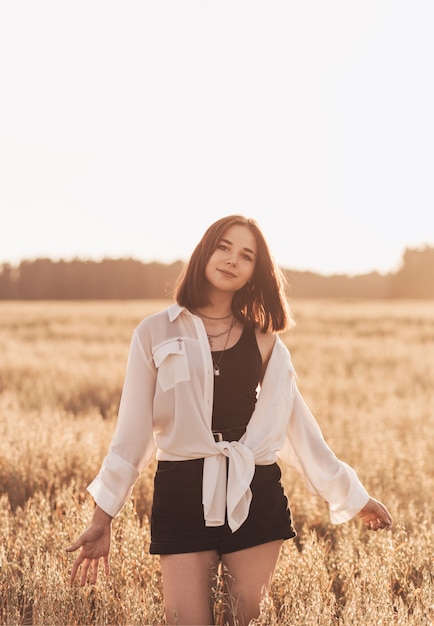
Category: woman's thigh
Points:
column 248, row 575
column 188, row 580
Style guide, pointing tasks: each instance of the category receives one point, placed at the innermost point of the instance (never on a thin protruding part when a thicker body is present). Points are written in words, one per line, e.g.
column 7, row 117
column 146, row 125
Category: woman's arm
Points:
column 131, row 449
column 324, row 474
column 265, row 343
column 132, row 446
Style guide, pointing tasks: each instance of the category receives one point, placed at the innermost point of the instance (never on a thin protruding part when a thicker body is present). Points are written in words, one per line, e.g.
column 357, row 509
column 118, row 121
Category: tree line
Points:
column 122, row 279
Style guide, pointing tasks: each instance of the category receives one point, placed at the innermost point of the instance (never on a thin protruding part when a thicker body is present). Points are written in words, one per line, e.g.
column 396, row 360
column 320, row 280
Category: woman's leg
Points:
column 187, row 583
column 248, row 575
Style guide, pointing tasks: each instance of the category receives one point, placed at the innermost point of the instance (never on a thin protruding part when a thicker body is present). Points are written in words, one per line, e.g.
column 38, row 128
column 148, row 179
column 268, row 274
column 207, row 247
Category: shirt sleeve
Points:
column 324, row 474
column 133, row 445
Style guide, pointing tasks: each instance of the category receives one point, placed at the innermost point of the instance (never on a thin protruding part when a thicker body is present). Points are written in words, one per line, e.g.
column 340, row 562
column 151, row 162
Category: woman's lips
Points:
column 226, row 273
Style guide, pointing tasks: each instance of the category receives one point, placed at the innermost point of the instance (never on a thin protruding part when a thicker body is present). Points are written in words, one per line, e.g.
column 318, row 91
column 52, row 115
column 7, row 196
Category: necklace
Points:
column 228, row 330
column 207, row 317
column 211, row 337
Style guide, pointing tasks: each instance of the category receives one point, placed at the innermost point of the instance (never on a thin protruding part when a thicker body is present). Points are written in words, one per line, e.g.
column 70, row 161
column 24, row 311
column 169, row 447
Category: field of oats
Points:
column 365, row 368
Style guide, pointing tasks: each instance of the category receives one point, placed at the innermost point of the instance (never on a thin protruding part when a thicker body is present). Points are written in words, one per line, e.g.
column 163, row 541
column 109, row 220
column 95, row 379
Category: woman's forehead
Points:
column 241, row 236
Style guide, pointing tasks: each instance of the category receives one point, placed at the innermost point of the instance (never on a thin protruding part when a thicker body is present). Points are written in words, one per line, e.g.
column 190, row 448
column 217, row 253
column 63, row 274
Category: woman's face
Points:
column 232, row 263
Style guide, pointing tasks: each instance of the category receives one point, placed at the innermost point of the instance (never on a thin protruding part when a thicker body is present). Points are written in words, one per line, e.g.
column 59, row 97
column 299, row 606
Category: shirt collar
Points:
column 175, row 311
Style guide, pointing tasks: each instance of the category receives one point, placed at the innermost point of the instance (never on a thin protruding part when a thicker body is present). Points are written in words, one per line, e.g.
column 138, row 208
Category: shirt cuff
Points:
column 114, row 483
column 355, row 502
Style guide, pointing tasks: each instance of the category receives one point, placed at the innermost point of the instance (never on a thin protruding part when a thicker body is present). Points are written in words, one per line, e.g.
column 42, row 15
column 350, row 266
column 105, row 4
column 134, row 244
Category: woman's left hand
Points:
column 375, row 516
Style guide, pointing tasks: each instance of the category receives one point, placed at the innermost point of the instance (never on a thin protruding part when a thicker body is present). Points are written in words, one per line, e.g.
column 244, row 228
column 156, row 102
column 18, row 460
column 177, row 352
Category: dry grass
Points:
column 366, row 370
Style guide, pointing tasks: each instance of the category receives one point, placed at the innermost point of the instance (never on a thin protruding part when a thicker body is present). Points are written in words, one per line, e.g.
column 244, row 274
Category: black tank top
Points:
column 235, row 388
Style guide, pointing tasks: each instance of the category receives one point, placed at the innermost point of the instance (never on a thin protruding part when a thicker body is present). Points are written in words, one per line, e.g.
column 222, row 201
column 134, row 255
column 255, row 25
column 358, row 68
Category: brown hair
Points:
column 262, row 302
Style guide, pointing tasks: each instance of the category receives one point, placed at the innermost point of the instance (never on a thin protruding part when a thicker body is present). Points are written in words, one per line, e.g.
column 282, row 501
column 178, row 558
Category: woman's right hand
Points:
column 95, row 545
column 375, row 515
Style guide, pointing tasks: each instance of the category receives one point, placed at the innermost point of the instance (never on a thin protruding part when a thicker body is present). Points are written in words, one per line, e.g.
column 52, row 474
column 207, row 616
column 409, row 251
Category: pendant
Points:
column 216, row 370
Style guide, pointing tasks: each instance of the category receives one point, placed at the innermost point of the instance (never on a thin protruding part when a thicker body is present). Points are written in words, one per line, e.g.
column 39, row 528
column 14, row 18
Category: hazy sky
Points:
column 127, row 127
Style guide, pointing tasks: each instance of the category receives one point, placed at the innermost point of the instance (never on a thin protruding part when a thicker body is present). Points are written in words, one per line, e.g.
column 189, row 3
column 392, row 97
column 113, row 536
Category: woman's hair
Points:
column 262, row 302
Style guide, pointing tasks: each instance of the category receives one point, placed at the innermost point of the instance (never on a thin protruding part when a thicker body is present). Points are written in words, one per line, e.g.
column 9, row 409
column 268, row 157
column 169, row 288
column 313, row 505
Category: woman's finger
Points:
column 74, row 568
column 95, row 565
column 74, row 546
column 84, row 570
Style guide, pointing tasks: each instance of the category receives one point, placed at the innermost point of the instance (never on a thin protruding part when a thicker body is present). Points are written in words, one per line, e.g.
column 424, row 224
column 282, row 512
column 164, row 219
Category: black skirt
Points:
column 177, row 520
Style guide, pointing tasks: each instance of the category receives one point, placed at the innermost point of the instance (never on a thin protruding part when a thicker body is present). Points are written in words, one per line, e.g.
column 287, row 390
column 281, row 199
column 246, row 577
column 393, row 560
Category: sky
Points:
column 128, row 127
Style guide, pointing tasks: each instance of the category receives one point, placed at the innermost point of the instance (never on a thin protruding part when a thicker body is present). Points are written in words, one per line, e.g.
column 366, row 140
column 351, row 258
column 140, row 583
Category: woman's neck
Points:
column 214, row 312
column 217, row 308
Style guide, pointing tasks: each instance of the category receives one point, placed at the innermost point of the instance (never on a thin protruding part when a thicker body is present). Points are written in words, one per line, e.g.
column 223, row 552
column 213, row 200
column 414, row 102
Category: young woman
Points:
column 211, row 390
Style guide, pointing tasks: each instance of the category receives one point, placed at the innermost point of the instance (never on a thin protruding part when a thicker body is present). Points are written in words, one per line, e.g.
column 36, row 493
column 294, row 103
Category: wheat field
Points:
column 365, row 368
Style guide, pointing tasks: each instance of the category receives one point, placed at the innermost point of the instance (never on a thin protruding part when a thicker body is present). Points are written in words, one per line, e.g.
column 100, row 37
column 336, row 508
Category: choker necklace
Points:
column 228, row 330
column 211, row 337
column 207, row 317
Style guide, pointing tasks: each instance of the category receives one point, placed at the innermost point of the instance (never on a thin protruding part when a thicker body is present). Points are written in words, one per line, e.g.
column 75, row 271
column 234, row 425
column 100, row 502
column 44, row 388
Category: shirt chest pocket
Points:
column 170, row 359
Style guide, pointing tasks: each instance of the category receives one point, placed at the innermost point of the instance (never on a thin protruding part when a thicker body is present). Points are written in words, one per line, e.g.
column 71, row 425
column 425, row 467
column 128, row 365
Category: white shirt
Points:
column 166, row 411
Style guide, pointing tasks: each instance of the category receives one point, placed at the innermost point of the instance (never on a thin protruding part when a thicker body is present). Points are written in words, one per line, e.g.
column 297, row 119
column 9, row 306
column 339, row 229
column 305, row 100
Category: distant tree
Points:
column 8, row 282
column 311, row 285
column 38, row 280
column 415, row 278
